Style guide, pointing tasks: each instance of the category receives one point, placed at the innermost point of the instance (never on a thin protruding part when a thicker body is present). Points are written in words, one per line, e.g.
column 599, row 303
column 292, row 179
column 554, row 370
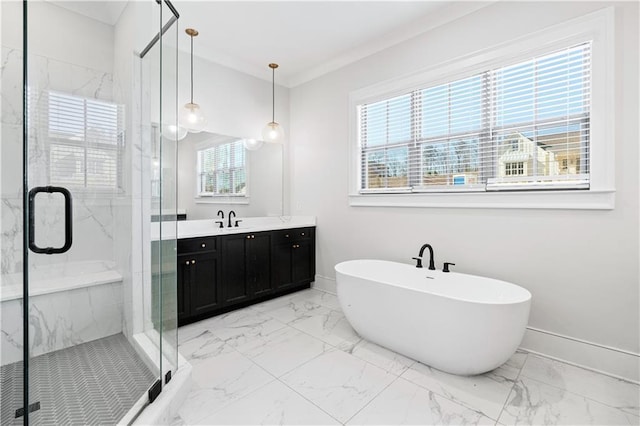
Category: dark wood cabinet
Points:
column 219, row 274
column 246, row 266
column 293, row 255
column 198, row 278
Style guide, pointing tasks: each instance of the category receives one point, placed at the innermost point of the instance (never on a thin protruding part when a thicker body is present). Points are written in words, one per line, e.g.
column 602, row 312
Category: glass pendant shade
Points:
column 252, row 144
column 173, row 132
column 272, row 132
column 191, row 118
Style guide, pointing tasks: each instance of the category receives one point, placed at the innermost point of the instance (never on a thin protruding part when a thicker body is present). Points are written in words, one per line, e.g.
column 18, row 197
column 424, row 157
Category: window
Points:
column 466, row 117
column 514, row 169
column 85, row 142
column 222, row 170
column 506, row 128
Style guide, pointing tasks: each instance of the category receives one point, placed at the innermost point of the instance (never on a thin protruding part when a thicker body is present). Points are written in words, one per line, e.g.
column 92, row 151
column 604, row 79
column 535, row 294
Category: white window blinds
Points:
column 85, row 140
column 522, row 126
column 222, row 170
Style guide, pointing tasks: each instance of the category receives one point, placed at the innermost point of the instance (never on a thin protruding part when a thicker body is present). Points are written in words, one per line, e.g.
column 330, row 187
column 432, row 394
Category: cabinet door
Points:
column 204, row 283
column 259, row 263
column 233, row 280
column 184, row 286
column 281, row 274
column 302, row 262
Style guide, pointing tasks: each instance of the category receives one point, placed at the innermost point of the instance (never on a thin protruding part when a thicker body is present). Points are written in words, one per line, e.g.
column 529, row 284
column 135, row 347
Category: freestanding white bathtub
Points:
column 458, row 323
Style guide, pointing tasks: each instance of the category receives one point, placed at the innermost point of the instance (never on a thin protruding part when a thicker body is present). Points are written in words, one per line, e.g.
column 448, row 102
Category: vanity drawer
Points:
column 197, row 245
column 297, row 234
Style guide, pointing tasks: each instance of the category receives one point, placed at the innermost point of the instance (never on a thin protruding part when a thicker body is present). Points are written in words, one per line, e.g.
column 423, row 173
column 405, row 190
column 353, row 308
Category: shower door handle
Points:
column 68, row 222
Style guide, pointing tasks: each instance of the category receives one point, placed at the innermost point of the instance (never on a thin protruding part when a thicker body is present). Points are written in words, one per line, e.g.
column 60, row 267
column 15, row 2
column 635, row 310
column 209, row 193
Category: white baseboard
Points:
column 603, row 359
column 325, row 284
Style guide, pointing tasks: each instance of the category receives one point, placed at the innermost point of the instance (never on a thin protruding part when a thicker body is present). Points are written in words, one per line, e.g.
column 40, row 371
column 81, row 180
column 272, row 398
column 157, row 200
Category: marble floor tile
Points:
column 510, row 370
column 405, row 403
column 535, row 403
column 188, row 332
column 338, row 383
column 483, row 393
column 220, row 380
column 283, row 350
column 276, row 303
column 243, row 325
column 389, row 361
column 272, row 404
column 203, row 346
column 177, row 421
column 323, row 298
column 331, row 327
column 608, row 390
column 633, row 420
column 296, row 309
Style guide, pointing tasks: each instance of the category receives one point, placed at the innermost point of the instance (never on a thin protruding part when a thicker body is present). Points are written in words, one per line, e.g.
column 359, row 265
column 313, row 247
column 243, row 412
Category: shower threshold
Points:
column 91, row 383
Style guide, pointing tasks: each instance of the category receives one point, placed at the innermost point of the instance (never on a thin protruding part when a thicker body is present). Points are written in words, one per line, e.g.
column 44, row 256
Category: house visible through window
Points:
column 85, row 142
column 512, row 127
column 222, row 170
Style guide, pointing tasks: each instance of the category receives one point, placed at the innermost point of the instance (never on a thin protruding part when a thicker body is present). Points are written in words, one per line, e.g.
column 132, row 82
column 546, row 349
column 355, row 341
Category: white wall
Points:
column 580, row 266
column 235, row 104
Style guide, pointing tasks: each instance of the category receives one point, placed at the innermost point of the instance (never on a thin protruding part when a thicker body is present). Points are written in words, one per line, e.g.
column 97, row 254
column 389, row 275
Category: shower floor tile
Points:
column 300, row 362
column 93, row 383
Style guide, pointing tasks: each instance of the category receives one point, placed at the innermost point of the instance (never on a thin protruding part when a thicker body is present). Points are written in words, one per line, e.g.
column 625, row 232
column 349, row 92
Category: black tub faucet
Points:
column 432, row 266
column 234, row 215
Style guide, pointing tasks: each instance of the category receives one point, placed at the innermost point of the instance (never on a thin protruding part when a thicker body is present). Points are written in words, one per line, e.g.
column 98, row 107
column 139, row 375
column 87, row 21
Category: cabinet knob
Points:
column 248, row 237
column 286, row 236
column 253, row 236
column 187, row 262
column 203, row 245
column 302, row 234
column 193, row 262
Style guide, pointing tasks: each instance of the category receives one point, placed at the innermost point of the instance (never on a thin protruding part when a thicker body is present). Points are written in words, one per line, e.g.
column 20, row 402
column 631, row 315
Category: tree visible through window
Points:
column 222, row 170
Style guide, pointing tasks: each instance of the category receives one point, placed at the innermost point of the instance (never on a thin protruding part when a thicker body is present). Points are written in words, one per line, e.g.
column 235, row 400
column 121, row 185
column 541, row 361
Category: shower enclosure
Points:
column 87, row 281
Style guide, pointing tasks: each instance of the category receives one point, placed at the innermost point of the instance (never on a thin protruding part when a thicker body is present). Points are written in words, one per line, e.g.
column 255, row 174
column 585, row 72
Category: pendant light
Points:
column 273, row 132
column 252, row 144
column 191, row 117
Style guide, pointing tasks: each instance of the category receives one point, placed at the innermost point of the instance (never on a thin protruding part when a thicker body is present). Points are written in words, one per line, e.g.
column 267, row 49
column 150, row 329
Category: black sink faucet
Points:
column 432, row 266
column 221, row 216
column 234, row 215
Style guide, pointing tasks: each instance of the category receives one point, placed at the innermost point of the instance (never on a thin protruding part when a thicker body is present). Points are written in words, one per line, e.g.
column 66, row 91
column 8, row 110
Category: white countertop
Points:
column 209, row 227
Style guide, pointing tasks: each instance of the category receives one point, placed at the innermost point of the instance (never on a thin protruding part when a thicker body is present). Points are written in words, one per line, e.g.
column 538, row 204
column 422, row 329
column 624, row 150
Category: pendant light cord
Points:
column 273, row 95
column 192, row 68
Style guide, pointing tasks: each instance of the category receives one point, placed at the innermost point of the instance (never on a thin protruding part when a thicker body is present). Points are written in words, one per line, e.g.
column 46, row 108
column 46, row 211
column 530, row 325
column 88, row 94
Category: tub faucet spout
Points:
column 432, row 266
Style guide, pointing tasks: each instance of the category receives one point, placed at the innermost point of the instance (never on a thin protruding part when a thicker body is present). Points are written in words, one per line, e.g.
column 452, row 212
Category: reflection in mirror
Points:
column 219, row 172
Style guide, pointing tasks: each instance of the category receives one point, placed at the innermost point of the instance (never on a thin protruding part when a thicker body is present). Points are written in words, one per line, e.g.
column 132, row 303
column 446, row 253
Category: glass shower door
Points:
column 83, row 366
column 72, row 288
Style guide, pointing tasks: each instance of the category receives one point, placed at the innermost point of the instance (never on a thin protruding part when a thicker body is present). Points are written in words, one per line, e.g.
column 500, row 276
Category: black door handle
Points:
column 68, row 220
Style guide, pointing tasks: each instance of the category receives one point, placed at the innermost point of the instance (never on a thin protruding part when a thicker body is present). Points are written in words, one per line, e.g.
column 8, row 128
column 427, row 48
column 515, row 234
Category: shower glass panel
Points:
column 159, row 97
column 11, row 187
column 75, row 283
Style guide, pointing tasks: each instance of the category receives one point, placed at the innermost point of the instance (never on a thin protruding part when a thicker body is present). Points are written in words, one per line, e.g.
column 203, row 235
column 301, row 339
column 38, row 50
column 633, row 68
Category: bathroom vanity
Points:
column 222, row 269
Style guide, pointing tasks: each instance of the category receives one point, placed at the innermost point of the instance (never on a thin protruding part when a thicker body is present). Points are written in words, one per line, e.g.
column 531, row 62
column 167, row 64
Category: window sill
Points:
column 222, row 200
column 564, row 200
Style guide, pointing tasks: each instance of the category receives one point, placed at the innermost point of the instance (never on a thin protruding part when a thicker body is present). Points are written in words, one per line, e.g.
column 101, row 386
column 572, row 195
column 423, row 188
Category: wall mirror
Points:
column 217, row 172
